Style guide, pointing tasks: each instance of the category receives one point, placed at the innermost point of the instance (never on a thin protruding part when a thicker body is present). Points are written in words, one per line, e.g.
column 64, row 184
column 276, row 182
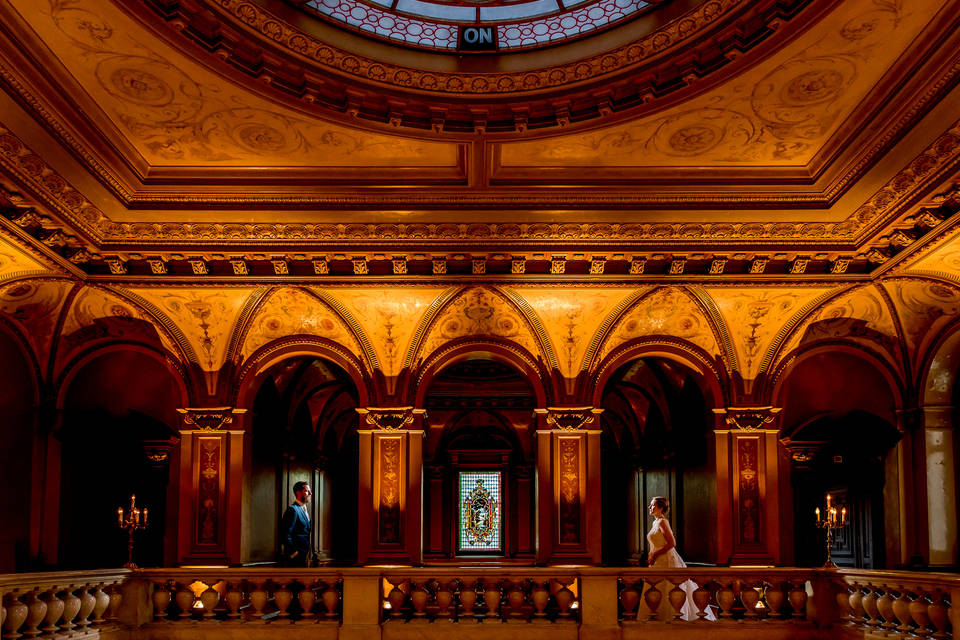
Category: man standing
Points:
column 296, row 528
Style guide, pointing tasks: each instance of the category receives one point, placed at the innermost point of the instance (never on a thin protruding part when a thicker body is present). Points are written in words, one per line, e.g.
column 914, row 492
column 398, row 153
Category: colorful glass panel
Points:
column 479, row 506
column 434, row 24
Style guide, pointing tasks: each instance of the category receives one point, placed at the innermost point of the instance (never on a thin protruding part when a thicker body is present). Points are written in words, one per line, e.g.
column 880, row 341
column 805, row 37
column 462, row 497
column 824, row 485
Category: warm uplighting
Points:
column 133, row 519
column 832, row 519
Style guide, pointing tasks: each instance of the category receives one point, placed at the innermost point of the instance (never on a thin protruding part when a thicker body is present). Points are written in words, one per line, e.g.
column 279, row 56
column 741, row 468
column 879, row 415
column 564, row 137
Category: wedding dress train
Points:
column 672, row 560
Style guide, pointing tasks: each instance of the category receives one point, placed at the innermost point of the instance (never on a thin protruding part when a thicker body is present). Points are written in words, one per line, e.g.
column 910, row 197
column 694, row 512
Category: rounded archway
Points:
column 839, row 425
column 657, row 441
column 107, row 423
column 303, row 427
column 478, row 461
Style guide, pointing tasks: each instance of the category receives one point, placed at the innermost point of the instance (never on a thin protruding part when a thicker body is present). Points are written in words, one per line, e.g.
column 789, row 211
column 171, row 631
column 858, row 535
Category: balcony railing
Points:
column 561, row 602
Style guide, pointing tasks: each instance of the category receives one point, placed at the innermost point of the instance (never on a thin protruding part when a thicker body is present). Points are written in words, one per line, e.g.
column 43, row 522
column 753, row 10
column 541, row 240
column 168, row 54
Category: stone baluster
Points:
column 331, row 600
column 101, row 602
column 161, row 601
column 233, row 597
column 87, row 604
column 798, row 599
column 564, row 598
column 726, row 598
column 396, row 598
column 71, row 609
column 843, row 603
column 36, row 612
column 885, row 607
column 918, row 611
column 869, row 602
column 444, row 600
column 468, row 599
column 282, row 599
column 307, row 599
column 55, row 607
column 3, row 611
column 16, row 615
column 184, row 597
column 653, row 597
column 774, row 597
column 856, row 605
column 901, row 611
column 540, row 596
column 491, row 598
column 116, row 599
column 419, row 596
column 677, row 598
column 701, row 597
column 258, row 599
column 629, row 601
column 749, row 597
column 517, row 598
column 939, row 615
column 210, row 599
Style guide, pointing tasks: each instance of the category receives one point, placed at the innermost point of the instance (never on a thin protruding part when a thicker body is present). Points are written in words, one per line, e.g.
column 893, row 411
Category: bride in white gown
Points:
column 663, row 554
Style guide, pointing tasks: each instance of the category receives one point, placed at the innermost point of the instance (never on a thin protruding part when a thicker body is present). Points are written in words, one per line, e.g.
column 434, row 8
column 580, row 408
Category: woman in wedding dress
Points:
column 663, row 554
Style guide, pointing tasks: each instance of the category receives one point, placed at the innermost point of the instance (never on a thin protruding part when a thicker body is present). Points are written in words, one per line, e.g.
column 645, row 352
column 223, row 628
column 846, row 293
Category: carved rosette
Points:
column 569, row 418
column 390, row 419
column 749, row 418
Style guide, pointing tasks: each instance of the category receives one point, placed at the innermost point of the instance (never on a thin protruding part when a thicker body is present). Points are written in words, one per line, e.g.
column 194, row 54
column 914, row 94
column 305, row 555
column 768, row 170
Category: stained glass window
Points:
column 480, row 499
column 435, row 24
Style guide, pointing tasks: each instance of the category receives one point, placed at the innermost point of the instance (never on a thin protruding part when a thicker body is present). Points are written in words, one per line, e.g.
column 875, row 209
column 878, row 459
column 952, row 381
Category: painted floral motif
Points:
column 34, row 306
column 13, row 260
column 924, row 308
column 480, row 312
column 289, row 312
column 666, row 312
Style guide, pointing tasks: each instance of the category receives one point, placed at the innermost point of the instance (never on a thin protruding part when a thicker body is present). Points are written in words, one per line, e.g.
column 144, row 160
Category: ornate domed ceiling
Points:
column 716, row 138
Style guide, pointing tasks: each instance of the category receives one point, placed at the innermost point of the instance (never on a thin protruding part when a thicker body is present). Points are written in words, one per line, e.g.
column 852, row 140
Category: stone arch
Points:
column 669, row 312
column 32, row 308
column 297, row 311
column 481, row 311
column 939, row 366
column 924, row 307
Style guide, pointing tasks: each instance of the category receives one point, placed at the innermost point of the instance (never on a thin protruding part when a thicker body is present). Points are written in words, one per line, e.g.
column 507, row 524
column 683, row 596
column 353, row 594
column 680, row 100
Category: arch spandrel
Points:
column 34, row 306
column 571, row 318
column 206, row 317
column 289, row 311
column 754, row 316
column 389, row 317
column 97, row 313
column 859, row 315
column 479, row 312
column 13, row 260
column 924, row 308
column 668, row 311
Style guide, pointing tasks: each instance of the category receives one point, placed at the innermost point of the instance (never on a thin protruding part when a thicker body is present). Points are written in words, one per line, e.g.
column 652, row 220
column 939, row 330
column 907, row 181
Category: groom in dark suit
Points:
column 296, row 528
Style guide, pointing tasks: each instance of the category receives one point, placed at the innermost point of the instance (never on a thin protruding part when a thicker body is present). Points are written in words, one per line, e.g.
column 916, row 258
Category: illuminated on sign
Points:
column 478, row 38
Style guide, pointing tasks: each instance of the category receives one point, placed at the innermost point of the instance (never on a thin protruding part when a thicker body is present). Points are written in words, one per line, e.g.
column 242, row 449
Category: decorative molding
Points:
column 748, row 418
column 391, row 418
column 569, row 418
column 209, row 418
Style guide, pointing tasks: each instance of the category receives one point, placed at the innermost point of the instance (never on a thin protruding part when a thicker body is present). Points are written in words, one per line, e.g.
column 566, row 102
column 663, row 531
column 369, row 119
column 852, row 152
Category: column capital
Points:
column 209, row 418
column 390, row 418
column 748, row 418
column 568, row 418
column 937, row 416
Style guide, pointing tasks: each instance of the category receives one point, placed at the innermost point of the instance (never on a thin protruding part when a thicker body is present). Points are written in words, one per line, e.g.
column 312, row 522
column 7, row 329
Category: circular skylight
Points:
column 477, row 25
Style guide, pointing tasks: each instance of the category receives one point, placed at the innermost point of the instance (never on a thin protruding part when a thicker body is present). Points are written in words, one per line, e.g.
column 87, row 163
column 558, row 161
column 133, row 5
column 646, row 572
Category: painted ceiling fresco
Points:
column 176, row 112
column 780, row 112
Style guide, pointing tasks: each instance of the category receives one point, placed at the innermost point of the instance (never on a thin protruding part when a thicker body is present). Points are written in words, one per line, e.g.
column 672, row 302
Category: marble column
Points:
column 941, row 481
column 748, row 490
column 390, row 510
column 568, row 486
column 210, row 486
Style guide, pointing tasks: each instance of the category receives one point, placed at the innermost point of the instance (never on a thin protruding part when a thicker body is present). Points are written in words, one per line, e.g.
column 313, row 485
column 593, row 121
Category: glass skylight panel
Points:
column 517, row 11
column 450, row 12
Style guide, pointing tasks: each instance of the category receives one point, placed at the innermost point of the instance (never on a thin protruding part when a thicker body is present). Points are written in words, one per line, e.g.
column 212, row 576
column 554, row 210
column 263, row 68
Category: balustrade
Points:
column 256, row 596
column 473, row 596
column 898, row 605
column 58, row 604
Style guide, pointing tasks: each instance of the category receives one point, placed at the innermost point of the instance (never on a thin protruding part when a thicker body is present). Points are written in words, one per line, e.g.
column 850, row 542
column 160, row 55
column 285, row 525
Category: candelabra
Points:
column 830, row 523
column 132, row 520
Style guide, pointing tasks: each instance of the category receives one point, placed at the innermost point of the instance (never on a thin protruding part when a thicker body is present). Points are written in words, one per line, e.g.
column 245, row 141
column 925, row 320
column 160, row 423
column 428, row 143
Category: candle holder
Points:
column 831, row 522
column 132, row 520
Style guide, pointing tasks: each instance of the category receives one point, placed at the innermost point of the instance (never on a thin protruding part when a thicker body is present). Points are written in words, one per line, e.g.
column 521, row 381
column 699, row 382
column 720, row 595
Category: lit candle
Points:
column 145, row 516
column 818, row 513
column 843, row 516
column 120, row 516
column 828, row 502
